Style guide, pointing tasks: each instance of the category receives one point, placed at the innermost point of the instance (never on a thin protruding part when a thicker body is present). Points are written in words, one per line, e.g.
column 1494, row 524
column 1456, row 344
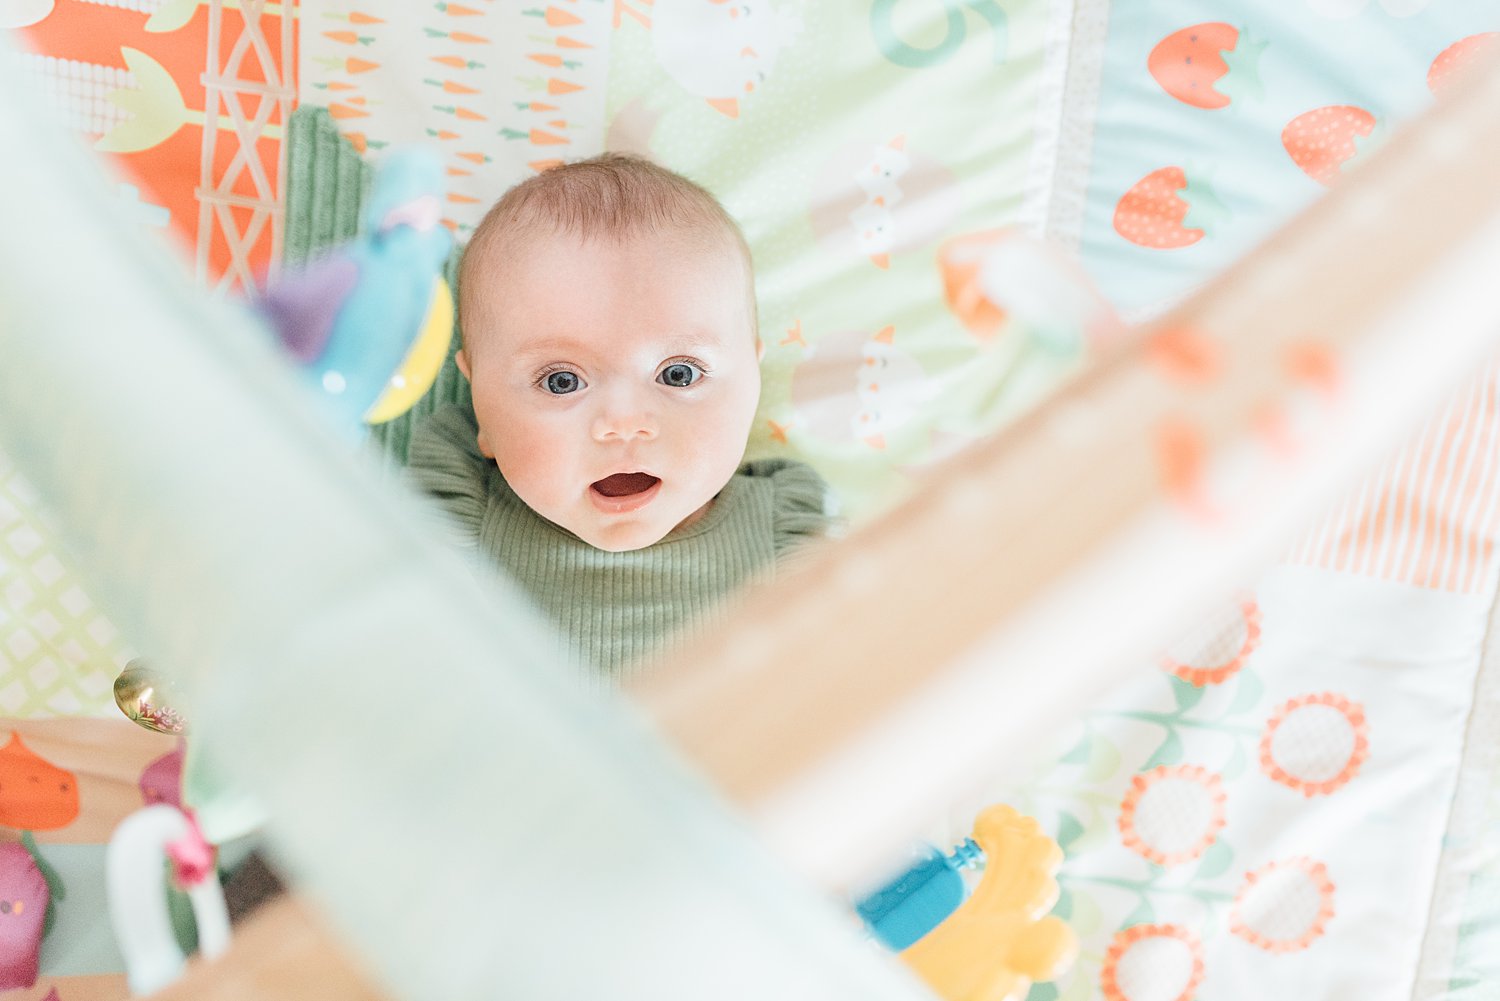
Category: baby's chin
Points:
column 628, row 536
column 622, row 539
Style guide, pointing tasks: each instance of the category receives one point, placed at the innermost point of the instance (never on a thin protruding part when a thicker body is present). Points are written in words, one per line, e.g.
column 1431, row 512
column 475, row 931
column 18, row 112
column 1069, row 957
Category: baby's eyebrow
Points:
column 685, row 343
column 552, row 347
column 569, row 348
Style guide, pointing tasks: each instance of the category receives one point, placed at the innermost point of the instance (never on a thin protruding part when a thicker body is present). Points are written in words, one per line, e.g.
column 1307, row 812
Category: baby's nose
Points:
column 624, row 422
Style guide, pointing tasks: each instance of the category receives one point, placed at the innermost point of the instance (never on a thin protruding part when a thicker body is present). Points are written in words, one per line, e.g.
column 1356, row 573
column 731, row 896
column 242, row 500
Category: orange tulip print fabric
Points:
column 199, row 162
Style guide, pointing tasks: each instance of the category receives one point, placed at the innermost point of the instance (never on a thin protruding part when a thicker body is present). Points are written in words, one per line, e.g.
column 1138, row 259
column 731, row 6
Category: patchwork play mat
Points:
column 1300, row 799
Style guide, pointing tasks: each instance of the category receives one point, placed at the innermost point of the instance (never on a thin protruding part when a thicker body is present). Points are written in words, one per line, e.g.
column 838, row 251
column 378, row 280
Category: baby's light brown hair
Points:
column 613, row 196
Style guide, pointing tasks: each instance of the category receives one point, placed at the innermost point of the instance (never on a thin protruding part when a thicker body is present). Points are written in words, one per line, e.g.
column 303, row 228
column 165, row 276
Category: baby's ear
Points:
column 463, row 363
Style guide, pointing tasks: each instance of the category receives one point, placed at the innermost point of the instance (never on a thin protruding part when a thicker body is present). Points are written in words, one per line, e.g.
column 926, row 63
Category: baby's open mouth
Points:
column 625, row 484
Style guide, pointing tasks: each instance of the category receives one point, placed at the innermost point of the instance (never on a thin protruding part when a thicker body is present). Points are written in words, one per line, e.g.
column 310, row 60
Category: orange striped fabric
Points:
column 1429, row 516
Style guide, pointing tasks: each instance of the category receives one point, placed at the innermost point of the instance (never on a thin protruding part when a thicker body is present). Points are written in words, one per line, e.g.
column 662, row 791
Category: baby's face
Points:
column 615, row 383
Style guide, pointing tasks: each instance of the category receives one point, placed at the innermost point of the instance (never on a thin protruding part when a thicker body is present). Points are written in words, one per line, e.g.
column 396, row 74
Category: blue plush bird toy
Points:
column 371, row 322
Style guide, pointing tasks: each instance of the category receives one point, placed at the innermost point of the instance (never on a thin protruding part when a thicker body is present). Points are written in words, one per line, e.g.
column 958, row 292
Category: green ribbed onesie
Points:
column 612, row 609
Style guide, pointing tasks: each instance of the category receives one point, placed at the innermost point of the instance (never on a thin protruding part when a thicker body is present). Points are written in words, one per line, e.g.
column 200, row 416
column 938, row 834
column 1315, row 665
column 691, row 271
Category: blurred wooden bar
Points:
column 282, row 951
column 1006, row 527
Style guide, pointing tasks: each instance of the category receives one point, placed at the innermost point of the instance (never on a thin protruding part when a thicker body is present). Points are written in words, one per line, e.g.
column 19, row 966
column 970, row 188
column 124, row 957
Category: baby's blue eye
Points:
column 562, row 383
column 680, row 374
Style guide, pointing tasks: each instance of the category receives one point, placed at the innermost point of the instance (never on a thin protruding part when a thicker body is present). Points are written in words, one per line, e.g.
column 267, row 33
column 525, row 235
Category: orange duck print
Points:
column 35, row 795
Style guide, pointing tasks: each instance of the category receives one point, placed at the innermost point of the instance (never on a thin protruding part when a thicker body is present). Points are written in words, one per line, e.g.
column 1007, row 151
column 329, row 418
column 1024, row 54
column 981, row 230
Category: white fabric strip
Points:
column 397, row 719
column 1455, row 963
column 1068, row 101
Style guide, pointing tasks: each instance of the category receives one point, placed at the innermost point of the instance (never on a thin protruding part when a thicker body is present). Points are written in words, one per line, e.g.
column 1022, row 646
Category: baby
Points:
column 608, row 320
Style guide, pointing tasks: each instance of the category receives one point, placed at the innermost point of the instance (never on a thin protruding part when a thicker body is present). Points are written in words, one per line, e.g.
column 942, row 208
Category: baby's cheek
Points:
column 537, row 461
column 723, row 437
column 712, row 467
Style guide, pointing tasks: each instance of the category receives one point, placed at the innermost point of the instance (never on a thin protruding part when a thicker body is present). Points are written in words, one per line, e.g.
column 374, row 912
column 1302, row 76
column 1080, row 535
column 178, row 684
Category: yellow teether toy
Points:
column 1001, row 939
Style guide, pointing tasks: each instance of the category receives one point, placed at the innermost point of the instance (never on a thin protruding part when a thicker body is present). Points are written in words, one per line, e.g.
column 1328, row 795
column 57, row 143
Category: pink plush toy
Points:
column 23, row 909
column 161, row 782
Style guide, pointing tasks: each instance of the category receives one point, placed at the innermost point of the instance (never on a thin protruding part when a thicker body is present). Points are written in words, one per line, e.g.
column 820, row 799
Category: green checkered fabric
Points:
column 59, row 655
